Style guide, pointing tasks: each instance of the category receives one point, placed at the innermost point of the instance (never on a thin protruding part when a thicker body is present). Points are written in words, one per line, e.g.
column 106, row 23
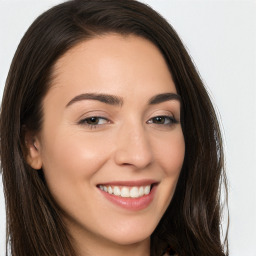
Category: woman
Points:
column 109, row 141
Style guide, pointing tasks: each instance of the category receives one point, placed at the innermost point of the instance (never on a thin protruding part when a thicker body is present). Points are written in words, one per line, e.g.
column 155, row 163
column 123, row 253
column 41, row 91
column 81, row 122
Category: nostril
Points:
column 126, row 164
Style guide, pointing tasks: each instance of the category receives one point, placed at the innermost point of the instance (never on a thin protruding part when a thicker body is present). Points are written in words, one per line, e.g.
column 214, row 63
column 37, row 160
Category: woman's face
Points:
column 111, row 122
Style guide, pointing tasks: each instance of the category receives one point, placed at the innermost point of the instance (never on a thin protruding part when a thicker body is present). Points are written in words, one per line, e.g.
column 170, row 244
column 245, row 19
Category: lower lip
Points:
column 128, row 203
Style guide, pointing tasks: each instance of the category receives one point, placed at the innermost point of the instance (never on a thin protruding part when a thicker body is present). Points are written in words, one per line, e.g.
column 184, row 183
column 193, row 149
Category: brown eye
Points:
column 162, row 120
column 159, row 120
column 94, row 121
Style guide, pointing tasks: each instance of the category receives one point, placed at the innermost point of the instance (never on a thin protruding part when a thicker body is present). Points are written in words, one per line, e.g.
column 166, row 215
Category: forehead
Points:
column 114, row 64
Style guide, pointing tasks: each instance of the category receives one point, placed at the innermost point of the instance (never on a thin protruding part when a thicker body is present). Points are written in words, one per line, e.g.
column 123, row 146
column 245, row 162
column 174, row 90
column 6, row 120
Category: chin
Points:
column 131, row 238
column 131, row 233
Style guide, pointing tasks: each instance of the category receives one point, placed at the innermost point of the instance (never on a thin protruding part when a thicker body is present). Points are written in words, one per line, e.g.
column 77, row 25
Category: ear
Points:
column 32, row 152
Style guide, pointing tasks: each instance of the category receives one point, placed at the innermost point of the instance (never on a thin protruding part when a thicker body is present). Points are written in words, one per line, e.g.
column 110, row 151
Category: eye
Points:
column 94, row 121
column 162, row 120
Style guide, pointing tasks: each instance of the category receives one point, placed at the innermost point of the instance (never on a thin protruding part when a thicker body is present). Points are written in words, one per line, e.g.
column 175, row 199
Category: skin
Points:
column 128, row 144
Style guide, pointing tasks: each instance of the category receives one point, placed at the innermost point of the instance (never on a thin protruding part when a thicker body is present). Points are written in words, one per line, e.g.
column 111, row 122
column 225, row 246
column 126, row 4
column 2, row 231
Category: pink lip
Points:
column 133, row 204
column 130, row 183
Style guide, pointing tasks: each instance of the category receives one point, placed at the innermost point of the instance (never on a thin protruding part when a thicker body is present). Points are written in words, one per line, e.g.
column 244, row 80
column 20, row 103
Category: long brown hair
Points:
column 191, row 224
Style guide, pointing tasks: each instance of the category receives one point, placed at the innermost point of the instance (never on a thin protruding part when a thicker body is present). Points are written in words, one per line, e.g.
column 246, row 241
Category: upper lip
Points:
column 130, row 182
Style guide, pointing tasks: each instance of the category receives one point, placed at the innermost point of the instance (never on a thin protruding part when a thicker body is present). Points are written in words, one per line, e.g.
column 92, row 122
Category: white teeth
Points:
column 117, row 191
column 133, row 192
column 141, row 191
column 147, row 190
column 125, row 192
column 110, row 190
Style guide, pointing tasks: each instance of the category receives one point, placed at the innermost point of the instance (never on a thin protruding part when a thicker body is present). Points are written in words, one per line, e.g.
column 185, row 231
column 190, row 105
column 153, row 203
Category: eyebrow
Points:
column 105, row 98
column 164, row 97
column 118, row 101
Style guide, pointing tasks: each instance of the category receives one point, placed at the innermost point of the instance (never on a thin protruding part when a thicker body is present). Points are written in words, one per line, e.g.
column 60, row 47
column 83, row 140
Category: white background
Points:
column 221, row 38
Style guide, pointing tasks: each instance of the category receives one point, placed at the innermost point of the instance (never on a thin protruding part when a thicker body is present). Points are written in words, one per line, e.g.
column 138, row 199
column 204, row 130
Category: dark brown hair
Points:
column 191, row 224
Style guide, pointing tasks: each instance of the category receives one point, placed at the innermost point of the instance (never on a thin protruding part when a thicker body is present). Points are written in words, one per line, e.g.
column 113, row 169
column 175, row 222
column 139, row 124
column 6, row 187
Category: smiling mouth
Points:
column 127, row 191
column 130, row 195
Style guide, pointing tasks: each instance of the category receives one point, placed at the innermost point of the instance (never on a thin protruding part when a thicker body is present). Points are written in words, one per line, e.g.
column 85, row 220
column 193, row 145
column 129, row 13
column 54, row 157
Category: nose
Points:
column 133, row 147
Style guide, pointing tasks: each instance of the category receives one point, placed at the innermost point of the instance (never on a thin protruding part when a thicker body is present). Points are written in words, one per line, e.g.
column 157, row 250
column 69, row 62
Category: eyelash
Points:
column 171, row 120
column 163, row 119
column 88, row 119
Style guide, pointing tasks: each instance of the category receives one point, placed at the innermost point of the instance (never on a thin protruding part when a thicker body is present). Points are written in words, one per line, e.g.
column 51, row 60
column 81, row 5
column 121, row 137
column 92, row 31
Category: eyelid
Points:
column 172, row 119
column 93, row 113
column 165, row 110
column 84, row 121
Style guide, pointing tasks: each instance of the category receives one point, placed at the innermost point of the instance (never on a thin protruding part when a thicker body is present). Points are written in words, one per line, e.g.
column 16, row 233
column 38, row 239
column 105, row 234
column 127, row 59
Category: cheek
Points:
column 170, row 154
column 73, row 151
column 71, row 161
